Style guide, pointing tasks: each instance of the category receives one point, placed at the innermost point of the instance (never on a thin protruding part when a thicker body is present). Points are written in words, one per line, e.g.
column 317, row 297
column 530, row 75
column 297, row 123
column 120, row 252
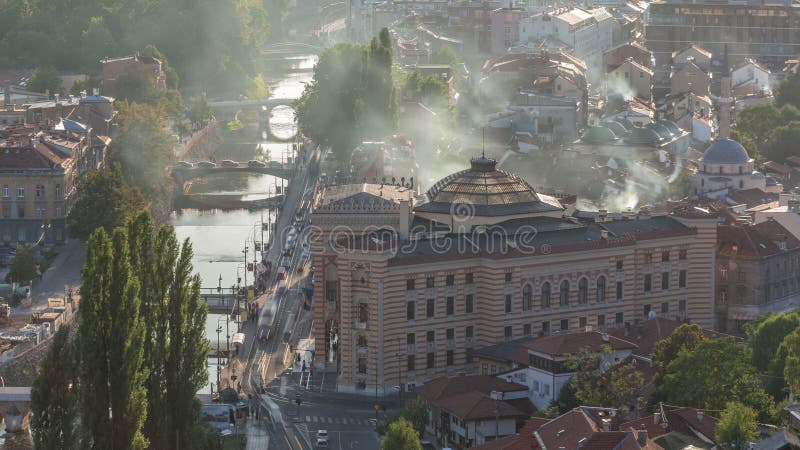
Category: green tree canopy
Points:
column 45, row 79
column 685, row 338
column 715, row 372
column 401, row 436
column 23, row 266
column 351, row 96
column 788, row 91
column 600, row 381
column 736, row 427
column 767, row 335
column 105, row 201
column 444, row 55
column 85, row 84
column 199, row 110
column 54, row 396
column 137, row 84
column 784, row 141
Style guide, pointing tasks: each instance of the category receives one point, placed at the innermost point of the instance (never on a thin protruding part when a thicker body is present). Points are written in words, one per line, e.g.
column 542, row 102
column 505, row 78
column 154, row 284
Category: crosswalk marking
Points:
column 337, row 420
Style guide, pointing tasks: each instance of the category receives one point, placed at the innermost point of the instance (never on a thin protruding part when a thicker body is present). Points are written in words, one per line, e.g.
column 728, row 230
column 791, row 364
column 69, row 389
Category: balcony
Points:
column 451, row 344
column 470, row 341
column 411, row 349
column 430, row 346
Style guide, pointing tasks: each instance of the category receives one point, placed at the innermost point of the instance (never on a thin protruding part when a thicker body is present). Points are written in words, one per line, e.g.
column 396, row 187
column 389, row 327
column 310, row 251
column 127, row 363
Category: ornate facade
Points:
column 406, row 285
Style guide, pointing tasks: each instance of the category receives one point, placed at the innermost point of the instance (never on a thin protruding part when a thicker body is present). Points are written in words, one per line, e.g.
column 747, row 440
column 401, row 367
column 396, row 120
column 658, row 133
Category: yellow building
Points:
column 406, row 286
column 38, row 171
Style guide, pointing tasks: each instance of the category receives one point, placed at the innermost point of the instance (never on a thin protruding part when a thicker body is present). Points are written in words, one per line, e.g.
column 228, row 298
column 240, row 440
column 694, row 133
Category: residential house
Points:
column 630, row 79
column 689, row 77
column 547, row 372
column 636, row 111
column 690, row 103
column 504, row 28
column 38, row 171
column 787, row 213
column 633, row 50
column 749, row 77
column 471, row 410
column 550, row 118
column 694, row 54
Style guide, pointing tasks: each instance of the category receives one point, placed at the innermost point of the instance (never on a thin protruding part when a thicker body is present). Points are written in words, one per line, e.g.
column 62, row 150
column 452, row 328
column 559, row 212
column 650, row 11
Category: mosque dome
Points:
column 725, row 151
column 599, row 135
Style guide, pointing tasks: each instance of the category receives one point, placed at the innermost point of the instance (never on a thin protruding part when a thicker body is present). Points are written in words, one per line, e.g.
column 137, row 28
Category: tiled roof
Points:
column 515, row 350
column 610, row 440
column 476, row 405
column 569, row 343
column 39, row 157
column 649, row 332
column 760, row 240
column 753, row 197
column 443, row 387
column 524, row 440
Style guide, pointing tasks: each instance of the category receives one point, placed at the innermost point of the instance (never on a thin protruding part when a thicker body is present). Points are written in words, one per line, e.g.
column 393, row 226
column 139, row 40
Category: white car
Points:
column 322, row 443
column 322, row 435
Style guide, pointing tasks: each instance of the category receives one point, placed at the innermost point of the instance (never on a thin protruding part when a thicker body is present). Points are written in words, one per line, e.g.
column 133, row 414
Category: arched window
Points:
column 740, row 170
column 702, row 181
column 546, row 295
column 720, row 169
column 583, row 289
column 601, row 289
column 563, row 294
column 741, row 184
column 527, row 297
column 361, row 341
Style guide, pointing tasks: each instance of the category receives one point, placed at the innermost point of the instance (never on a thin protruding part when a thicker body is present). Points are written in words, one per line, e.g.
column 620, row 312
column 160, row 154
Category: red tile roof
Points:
column 39, row 157
column 776, row 167
column 477, row 406
column 568, row 343
column 755, row 241
column 443, row 387
column 524, row 440
column 650, row 331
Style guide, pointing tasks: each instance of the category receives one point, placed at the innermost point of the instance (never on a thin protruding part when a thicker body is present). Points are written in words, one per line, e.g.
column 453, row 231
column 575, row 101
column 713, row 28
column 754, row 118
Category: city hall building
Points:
column 406, row 285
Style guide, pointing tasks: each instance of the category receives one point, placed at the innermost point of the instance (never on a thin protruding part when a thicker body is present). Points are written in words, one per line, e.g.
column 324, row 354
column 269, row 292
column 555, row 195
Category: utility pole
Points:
column 497, row 396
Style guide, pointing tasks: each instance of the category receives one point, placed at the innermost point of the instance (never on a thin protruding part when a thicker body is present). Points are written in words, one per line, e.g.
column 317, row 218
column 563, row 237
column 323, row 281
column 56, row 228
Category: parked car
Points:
column 254, row 163
column 229, row 163
column 185, row 164
column 206, row 165
column 275, row 164
column 322, row 435
column 322, row 443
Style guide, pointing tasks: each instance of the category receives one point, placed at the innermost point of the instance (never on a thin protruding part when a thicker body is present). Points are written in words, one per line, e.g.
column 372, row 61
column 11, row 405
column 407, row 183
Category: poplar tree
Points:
column 54, row 396
column 111, row 338
column 186, row 370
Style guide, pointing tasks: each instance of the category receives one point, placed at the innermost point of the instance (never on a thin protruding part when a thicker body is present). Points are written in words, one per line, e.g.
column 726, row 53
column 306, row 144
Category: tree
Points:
column 256, row 87
column 758, row 121
column 416, row 414
column 715, row 372
column 401, row 436
column 444, row 55
column 597, row 383
column 137, row 84
column 768, row 334
column 54, row 398
column 23, row 266
column 104, row 201
column 96, row 41
column 185, row 367
column 87, row 84
column 111, row 345
column 784, row 141
column 791, row 370
column 685, row 338
column 736, row 427
column 788, row 91
column 199, row 110
column 45, row 79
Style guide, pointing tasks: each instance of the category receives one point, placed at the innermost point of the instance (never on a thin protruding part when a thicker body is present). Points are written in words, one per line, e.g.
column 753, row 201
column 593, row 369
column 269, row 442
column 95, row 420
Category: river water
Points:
column 219, row 237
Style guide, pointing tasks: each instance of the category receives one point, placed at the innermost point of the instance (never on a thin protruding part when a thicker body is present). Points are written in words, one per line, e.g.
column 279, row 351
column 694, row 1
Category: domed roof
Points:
column 644, row 136
column 483, row 190
column 616, row 127
column 662, row 131
column 625, row 123
column 670, row 125
column 599, row 135
column 725, row 151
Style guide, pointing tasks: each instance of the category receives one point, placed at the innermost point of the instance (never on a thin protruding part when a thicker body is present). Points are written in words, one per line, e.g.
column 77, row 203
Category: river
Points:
column 219, row 237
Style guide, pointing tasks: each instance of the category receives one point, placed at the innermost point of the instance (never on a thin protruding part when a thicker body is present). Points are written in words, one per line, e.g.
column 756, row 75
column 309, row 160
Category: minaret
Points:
column 725, row 100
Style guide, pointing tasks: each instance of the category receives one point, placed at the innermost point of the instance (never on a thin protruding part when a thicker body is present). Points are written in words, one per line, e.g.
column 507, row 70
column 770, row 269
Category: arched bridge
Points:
column 226, row 110
column 290, row 47
column 184, row 174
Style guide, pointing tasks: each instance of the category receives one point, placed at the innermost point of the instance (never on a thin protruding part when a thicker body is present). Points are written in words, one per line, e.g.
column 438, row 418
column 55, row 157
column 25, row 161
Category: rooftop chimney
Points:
column 95, row 91
column 656, row 418
column 642, row 437
column 699, row 415
column 604, row 234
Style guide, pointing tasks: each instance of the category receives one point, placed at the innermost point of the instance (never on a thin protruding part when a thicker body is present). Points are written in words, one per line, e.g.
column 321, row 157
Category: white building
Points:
column 546, row 373
column 750, row 77
column 585, row 33
column 787, row 213
column 726, row 167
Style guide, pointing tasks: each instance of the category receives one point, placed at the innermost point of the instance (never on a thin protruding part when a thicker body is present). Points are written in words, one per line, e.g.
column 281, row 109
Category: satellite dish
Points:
column 651, row 315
